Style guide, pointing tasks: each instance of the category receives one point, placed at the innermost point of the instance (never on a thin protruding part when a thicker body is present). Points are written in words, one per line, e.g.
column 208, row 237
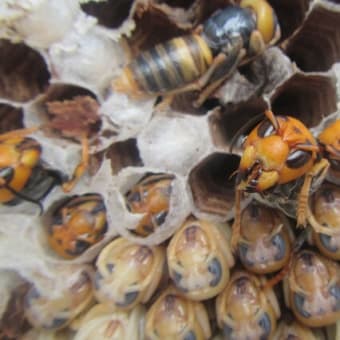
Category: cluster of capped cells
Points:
column 169, row 169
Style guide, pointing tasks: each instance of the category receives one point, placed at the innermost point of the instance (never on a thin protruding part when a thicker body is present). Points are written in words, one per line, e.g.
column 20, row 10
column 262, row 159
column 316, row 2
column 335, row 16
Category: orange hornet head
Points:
column 278, row 150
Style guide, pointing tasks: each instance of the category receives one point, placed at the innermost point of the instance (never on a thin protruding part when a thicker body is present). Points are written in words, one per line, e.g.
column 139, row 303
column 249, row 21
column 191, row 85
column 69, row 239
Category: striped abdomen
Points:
column 166, row 67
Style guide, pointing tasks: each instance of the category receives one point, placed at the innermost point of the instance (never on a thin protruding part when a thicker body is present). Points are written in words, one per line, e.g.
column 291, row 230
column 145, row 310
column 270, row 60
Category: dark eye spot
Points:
column 134, row 197
column 81, row 246
column 98, row 277
column 177, row 277
column 215, row 268
column 7, row 174
column 298, row 158
column 110, row 267
column 265, row 129
column 280, row 244
column 243, row 254
column 128, row 299
column 190, row 336
column 57, row 323
column 299, row 302
column 227, row 331
column 160, row 217
column 326, row 242
column 335, row 291
column 266, row 325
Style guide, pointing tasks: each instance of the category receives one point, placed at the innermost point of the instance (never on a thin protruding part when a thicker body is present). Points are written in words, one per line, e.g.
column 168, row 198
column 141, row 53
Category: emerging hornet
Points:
column 278, row 151
column 23, row 173
column 77, row 224
column 202, row 60
column 150, row 196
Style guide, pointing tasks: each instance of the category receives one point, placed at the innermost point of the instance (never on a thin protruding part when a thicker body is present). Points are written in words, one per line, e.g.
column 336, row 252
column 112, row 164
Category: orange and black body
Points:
column 18, row 158
column 279, row 151
column 190, row 62
column 329, row 140
column 77, row 224
column 22, row 174
column 150, row 196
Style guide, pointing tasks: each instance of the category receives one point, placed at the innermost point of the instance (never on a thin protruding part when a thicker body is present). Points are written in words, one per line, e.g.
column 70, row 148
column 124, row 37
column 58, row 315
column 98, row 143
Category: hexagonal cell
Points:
column 316, row 46
column 308, row 97
column 24, row 73
column 291, row 14
column 67, row 109
column 110, row 13
column 123, row 154
column 227, row 122
column 158, row 22
column 10, row 118
column 212, row 183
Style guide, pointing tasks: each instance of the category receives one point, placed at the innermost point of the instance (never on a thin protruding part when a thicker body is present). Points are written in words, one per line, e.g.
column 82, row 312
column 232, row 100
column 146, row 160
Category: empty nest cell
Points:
column 291, row 14
column 68, row 109
column 307, row 97
column 124, row 154
column 24, row 73
column 109, row 13
column 227, row 122
column 10, row 117
column 212, row 183
column 316, row 47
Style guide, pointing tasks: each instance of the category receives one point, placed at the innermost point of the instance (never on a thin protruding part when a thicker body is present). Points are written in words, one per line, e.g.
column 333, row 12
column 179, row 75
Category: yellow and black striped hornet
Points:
column 204, row 59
